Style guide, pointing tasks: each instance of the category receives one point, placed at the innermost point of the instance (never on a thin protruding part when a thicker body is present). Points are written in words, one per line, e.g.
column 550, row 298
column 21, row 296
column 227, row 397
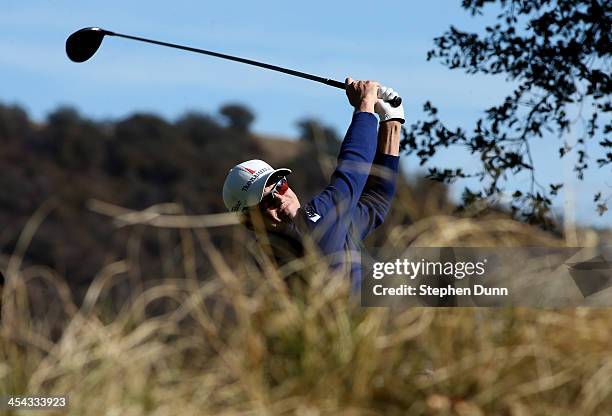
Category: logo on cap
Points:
column 253, row 178
column 236, row 206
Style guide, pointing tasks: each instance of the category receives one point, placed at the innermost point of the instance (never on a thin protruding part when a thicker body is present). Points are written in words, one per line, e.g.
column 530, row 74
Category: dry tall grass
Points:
column 235, row 342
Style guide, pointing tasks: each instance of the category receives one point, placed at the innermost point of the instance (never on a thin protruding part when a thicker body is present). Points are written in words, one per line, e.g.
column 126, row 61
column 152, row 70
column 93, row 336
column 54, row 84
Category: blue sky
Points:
column 386, row 41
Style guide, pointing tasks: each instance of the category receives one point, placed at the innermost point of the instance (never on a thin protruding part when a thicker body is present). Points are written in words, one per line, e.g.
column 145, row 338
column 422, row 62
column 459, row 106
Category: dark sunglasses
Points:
column 280, row 187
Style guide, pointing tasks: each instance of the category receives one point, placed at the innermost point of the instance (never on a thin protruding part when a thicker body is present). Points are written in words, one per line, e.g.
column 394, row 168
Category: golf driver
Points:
column 83, row 44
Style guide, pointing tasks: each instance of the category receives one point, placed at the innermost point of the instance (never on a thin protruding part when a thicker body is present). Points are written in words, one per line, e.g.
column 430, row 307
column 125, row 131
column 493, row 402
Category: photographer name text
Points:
column 427, row 290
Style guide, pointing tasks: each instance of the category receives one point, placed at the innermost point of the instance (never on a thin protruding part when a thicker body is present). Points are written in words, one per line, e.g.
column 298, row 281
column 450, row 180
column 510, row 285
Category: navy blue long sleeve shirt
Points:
column 356, row 200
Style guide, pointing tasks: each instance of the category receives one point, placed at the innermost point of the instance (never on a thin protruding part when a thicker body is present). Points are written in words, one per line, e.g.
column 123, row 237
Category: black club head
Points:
column 83, row 44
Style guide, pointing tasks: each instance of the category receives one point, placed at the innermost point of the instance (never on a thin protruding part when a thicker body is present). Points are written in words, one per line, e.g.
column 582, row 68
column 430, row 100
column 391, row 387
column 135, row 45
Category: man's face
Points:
column 279, row 205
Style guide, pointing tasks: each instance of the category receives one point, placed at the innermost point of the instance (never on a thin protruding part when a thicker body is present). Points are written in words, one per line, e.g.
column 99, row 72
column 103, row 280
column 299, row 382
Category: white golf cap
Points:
column 245, row 183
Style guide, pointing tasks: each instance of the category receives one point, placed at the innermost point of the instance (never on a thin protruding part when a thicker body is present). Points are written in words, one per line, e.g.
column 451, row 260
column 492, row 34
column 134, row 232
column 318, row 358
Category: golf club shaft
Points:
column 395, row 102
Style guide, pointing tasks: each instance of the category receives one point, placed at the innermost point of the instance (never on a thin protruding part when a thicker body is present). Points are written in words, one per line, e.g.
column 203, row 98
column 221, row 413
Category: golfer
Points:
column 353, row 204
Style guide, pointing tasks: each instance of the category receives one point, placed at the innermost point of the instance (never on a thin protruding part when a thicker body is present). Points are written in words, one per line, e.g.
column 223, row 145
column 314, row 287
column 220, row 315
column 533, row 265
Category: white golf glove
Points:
column 384, row 109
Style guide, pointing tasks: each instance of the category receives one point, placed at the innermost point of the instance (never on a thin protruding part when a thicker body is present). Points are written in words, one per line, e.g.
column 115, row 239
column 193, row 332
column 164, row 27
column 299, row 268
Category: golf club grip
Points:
column 395, row 102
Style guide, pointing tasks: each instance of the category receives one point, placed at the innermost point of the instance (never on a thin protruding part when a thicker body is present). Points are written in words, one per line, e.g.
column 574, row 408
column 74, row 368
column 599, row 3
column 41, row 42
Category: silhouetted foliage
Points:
column 324, row 138
column 74, row 142
column 14, row 124
column 201, row 129
column 558, row 54
column 238, row 116
column 319, row 147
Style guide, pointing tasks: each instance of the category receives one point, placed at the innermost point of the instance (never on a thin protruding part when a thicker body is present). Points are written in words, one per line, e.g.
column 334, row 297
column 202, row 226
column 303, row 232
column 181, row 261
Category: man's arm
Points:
column 389, row 138
column 354, row 160
column 375, row 201
column 378, row 192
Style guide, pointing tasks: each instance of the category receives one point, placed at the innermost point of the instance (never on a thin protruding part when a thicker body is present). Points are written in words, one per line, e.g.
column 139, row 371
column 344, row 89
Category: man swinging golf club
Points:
column 355, row 201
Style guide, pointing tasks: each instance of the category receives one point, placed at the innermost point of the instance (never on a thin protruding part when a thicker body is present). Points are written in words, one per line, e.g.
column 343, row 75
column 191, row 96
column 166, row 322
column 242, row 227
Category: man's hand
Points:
column 384, row 110
column 362, row 94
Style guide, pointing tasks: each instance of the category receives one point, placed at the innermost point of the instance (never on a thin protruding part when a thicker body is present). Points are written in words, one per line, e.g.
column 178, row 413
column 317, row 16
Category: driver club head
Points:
column 83, row 44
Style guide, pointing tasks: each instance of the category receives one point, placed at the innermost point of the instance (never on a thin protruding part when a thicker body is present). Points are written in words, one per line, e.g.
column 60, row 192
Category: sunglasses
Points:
column 269, row 199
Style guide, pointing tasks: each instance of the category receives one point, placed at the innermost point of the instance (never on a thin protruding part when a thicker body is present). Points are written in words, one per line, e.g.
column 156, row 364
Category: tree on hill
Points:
column 14, row 124
column 72, row 141
column 558, row 54
column 324, row 138
column 238, row 116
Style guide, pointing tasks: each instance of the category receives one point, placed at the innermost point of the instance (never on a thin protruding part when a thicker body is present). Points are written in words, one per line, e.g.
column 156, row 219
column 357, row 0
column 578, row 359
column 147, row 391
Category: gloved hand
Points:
column 384, row 110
